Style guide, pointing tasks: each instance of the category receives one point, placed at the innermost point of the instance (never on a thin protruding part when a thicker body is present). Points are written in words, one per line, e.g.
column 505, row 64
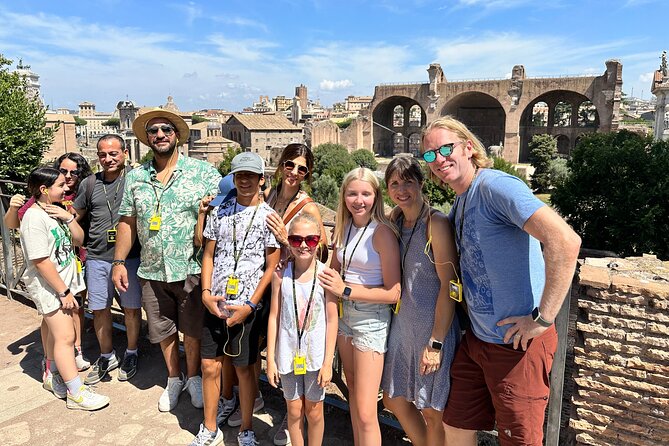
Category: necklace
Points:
column 284, row 208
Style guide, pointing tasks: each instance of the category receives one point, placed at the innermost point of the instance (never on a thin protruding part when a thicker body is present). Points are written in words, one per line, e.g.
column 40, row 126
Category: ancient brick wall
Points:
column 621, row 353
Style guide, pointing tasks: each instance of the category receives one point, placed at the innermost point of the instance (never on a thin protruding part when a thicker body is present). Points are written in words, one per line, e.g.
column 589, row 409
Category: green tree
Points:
column 345, row 123
column 365, row 158
column 543, row 148
column 113, row 122
column 225, row 166
column 148, row 156
column 558, row 171
column 333, row 160
column 616, row 196
column 500, row 163
column 24, row 135
column 324, row 190
column 80, row 121
column 196, row 119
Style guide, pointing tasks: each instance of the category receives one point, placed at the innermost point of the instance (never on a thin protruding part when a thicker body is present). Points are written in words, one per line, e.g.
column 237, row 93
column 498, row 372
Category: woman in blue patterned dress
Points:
column 424, row 332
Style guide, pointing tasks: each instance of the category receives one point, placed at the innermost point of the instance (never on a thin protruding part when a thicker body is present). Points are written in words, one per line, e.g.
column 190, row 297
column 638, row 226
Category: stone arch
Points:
column 481, row 113
column 383, row 116
column 570, row 129
column 540, row 114
column 563, row 145
column 587, row 115
column 398, row 116
column 414, row 143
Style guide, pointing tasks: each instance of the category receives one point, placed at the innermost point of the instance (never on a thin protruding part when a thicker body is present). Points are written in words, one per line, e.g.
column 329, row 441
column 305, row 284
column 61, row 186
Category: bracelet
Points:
column 206, row 289
column 63, row 294
column 70, row 220
column 118, row 262
column 253, row 306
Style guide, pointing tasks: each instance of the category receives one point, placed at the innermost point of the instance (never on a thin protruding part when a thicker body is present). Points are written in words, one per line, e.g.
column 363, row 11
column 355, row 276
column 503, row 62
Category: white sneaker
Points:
column 54, row 383
column 170, row 396
column 225, row 409
column 82, row 364
column 281, row 436
column 247, row 438
column 194, row 388
column 206, row 438
column 86, row 400
column 235, row 419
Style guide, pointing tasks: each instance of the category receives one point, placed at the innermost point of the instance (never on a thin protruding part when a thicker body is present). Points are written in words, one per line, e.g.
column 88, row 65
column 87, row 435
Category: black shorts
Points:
column 239, row 342
column 263, row 312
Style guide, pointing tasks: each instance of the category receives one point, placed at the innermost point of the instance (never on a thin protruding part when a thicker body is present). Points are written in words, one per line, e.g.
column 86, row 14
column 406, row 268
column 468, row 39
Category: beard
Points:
column 164, row 150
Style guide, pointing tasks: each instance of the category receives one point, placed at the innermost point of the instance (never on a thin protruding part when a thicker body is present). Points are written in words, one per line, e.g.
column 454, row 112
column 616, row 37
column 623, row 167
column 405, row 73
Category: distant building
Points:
column 95, row 121
column 259, row 133
column 207, row 143
column 357, row 103
column 65, row 138
column 32, row 80
column 282, row 103
column 301, row 92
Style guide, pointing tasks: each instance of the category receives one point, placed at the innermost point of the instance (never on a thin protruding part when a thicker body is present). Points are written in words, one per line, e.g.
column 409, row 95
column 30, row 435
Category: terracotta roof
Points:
column 199, row 126
column 214, row 139
column 264, row 122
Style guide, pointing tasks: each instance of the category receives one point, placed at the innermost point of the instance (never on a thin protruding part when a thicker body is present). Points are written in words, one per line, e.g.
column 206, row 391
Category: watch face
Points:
column 436, row 345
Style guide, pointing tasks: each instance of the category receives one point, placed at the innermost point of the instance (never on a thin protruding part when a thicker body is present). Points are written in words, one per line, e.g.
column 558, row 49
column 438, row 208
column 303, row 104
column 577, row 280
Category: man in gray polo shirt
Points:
column 99, row 198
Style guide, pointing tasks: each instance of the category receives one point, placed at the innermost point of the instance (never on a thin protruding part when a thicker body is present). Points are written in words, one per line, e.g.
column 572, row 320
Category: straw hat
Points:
column 139, row 125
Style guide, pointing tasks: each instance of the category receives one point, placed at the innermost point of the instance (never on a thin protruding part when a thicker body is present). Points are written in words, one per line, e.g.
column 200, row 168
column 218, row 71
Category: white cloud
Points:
column 646, row 77
column 327, row 84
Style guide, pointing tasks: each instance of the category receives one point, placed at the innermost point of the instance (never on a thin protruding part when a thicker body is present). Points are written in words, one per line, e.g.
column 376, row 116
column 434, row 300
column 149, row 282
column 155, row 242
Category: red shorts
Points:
column 494, row 382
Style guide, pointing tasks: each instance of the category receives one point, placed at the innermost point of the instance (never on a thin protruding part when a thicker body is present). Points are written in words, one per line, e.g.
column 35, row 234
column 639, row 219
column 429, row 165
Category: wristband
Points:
column 253, row 306
column 118, row 262
column 63, row 294
column 206, row 289
column 70, row 220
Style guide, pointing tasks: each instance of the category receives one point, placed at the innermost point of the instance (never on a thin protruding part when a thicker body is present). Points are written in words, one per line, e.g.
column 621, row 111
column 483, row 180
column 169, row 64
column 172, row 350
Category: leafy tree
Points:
column 196, row 119
column 500, row 163
column 617, row 194
column 24, row 135
column 333, row 160
column 324, row 190
column 80, row 121
column 543, row 148
column 148, row 156
column 225, row 166
column 365, row 158
column 113, row 122
column 558, row 172
column 345, row 123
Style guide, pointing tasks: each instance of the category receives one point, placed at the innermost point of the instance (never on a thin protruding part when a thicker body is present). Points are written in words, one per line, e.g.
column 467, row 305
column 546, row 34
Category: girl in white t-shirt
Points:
column 52, row 278
column 302, row 332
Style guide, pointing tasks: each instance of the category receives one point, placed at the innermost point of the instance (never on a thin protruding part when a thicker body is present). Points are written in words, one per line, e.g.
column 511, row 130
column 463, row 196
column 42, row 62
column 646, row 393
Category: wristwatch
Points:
column 63, row 294
column 346, row 293
column 433, row 343
column 536, row 316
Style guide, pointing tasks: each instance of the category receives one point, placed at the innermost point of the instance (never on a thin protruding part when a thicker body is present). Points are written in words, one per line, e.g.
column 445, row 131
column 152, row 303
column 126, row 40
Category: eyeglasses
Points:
column 301, row 170
column 431, row 155
column 166, row 129
column 311, row 240
column 74, row 173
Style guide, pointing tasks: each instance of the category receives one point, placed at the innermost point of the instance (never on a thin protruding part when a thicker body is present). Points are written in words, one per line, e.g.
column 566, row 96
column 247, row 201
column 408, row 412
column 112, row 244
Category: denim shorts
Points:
column 366, row 324
column 298, row 386
column 101, row 289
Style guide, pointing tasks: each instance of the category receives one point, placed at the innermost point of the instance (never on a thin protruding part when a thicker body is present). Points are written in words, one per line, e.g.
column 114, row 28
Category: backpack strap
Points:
column 90, row 184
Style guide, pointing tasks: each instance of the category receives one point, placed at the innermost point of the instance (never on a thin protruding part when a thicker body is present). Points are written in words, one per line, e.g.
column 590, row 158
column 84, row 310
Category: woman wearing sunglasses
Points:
column 365, row 276
column 424, row 332
column 74, row 168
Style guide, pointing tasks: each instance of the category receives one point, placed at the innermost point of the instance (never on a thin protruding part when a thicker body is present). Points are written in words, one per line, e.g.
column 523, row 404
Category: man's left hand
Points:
column 523, row 328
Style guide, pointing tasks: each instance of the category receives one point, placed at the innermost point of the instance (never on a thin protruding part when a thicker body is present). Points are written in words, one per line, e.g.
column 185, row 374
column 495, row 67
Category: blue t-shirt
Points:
column 502, row 266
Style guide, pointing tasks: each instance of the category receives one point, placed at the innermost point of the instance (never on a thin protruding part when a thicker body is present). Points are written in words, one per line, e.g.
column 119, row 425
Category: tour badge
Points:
column 232, row 287
column 300, row 365
column 154, row 223
column 396, row 306
column 340, row 308
column 455, row 290
column 111, row 235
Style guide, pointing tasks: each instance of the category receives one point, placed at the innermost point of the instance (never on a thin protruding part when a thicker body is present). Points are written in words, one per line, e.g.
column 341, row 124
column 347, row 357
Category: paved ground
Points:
column 31, row 415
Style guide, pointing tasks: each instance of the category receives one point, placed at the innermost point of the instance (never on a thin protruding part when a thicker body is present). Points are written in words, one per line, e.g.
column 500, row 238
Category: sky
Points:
column 226, row 53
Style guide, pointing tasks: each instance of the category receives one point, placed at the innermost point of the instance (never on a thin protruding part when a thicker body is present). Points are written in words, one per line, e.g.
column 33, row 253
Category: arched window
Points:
column 414, row 144
column 562, row 114
column 586, row 114
column 563, row 145
column 540, row 114
column 415, row 116
column 398, row 116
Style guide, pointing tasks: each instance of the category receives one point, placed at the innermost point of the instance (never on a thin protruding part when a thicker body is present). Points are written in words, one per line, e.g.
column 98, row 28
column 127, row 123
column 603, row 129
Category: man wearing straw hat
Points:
column 160, row 207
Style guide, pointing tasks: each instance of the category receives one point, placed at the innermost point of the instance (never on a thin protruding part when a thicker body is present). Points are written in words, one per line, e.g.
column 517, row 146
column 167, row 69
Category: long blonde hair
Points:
column 344, row 215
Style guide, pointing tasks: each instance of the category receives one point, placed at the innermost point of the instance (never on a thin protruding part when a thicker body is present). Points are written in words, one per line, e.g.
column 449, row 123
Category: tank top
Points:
column 364, row 267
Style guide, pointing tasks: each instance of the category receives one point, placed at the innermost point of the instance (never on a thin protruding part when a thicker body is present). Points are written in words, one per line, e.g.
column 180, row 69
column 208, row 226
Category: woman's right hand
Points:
column 272, row 374
column 57, row 212
column 17, row 201
column 69, row 302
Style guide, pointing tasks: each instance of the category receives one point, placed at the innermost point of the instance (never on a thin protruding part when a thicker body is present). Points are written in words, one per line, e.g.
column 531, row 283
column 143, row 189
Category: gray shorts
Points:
column 298, row 386
column 368, row 325
column 101, row 289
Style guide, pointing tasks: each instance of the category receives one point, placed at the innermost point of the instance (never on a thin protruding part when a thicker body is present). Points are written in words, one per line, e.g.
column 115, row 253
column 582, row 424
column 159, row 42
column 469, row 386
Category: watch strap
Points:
column 536, row 316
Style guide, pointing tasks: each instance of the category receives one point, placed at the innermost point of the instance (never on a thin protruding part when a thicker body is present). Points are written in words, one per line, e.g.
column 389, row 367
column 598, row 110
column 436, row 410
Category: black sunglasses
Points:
column 311, row 240
column 166, row 129
column 301, row 170
column 74, row 173
column 431, row 155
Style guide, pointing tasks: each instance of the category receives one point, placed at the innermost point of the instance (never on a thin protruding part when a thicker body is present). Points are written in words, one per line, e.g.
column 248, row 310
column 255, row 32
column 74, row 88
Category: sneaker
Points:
column 54, row 383
column 44, row 368
column 247, row 438
column 128, row 367
column 87, row 400
column 100, row 369
column 82, row 364
column 281, row 436
column 225, row 409
column 235, row 419
column 170, row 397
column 194, row 388
column 206, row 438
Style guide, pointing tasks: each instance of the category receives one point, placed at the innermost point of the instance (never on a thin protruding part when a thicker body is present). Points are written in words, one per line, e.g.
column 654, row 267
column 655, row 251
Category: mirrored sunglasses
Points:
column 431, row 155
column 166, row 129
column 311, row 240
column 74, row 173
column 301, row 170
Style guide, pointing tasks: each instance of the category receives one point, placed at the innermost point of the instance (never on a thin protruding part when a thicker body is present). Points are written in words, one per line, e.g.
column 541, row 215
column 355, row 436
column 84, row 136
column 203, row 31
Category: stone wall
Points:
column 621, row 353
